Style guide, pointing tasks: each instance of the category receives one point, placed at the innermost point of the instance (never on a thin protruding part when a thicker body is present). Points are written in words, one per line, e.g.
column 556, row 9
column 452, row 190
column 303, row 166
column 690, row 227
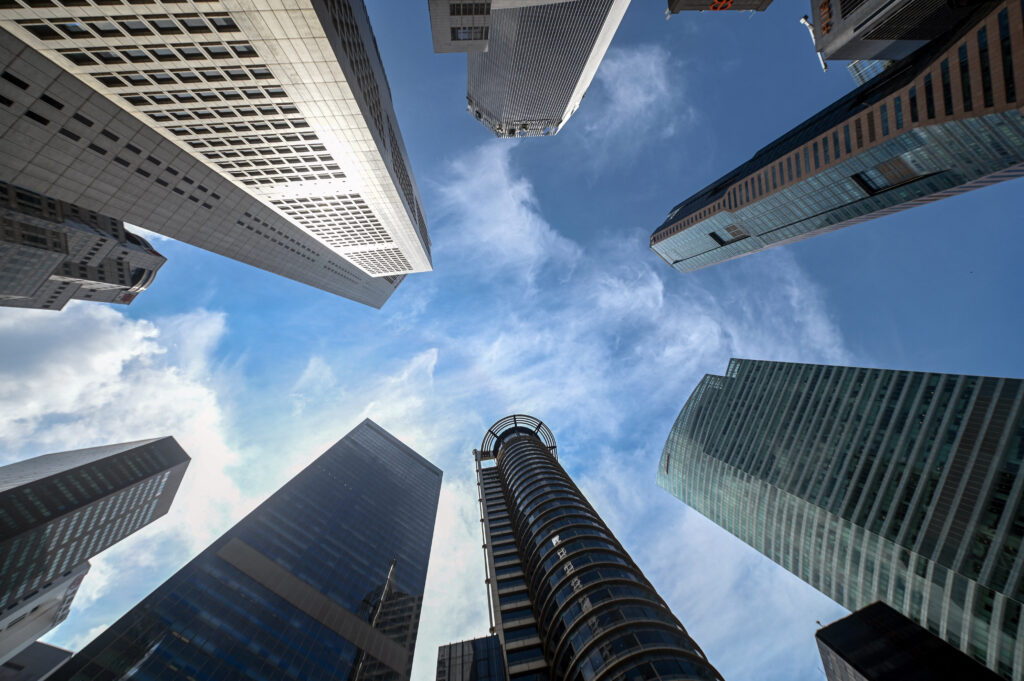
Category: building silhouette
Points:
column 323, row 580
column 58, row 510
column 943, row 121
column 870, row 484
column 530, row 62
column 263, row 132
column 566, row 599
column 876, row 643
column 52, row 251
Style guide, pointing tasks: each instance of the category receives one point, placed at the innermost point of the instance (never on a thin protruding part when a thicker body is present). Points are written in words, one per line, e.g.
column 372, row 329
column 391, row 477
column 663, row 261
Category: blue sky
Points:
column 545, row 299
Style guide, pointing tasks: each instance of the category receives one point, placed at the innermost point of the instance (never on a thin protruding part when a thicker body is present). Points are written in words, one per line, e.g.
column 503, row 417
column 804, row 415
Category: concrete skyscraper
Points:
column 323, row 580
column 943, row 121
column 58, row 510
column 51, row 252
column 530, row 62
column 263, row 131
column 676, row 6
column 567, row 601
column 870, row 484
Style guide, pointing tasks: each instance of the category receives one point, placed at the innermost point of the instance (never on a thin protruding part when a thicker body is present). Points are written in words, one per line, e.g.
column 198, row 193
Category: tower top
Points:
column 516, row 424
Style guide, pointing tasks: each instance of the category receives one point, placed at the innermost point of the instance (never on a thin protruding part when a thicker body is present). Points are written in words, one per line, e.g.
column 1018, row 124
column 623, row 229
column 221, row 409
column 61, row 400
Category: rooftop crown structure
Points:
column 263, row 131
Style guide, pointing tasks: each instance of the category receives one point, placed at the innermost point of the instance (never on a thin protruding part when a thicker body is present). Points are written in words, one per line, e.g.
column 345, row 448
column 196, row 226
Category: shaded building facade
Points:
column 323, row 580
column 676, row 6
column 566, row 600
column 529, row 63
column 870, row 484
column 33, row 663
column 480, row 659
column 58, row 510
column 52, row 251
column 262, row 131
column 876, row 643
column 941, row 122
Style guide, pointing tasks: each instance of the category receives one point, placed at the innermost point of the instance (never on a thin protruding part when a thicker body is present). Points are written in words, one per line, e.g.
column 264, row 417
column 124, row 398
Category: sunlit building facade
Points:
column 59, row 510
column 323, row 580
column 530, row 62
column 941, row 122
column 567, row 601
column 261, row 131
column 676, row 6
column 870, row 484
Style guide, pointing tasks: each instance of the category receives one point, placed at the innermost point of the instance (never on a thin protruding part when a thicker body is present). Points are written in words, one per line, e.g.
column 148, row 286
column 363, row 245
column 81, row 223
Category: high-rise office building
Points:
column 261, row 131
column 870, row 484
column 566, row 600
column 323, row 580
column 33, row 663
column 530, row 62
column 876, row 643
column 863, row 70
column 58, row 510
column 883, row 29
column 52, row 251
column 941, row 122
column 676, row 6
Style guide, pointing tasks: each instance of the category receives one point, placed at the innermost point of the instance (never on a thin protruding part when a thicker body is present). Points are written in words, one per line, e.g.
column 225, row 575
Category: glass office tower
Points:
column 870, row 484
column 943, row 121
column 324, row 580
column 567, row 601
column 59, row 510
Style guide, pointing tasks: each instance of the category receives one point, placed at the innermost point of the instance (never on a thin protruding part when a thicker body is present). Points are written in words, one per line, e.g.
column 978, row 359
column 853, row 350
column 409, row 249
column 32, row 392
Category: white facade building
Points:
column 263, row 131
column 530, row 62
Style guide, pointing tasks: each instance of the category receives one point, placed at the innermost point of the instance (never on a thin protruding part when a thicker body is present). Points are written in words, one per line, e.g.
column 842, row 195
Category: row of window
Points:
column 812, row 157
column 120, row 27
column 47, row 4
column 150, row 53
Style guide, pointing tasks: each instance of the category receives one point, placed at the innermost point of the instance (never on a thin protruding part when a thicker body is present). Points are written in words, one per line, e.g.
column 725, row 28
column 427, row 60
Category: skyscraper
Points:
column 870, row 484
column 58, row 510
column 876, row 643
column 567, row 601
column 261, row 131
column 941, row 122
column 52, row 251
column 530, row 62
column 676, row 6
column 324, row 580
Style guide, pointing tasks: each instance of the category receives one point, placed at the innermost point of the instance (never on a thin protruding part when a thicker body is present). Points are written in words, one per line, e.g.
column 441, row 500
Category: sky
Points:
column 545, row 299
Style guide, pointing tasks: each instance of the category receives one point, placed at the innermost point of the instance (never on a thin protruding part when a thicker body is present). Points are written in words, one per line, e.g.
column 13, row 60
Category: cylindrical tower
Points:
column 597, row 617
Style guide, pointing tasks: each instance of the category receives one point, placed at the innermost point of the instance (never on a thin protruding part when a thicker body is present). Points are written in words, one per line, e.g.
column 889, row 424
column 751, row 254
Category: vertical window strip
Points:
column 775, row 184
column 986, row 70
column 929, row 97
column 871, row 126
column 817, row 163
column 858, row 132
column 807, row 160
column 797, row 164
column 914, row 118
column 884, row 113
column 846, row 138
column 789, row 167
column 824, row 148
column 835, row 139
column 1009, row 86
column 897, row 108
column 965, row 78
column 947, row 88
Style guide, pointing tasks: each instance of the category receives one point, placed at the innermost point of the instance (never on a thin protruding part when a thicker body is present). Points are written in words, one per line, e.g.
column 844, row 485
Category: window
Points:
column 871, row 126
column 897, row 107
column 986, row 71
column 135, row 27
column 858, row 133
column 1005, row 49
column 789, row 165
column 914, row 118
column 965, row 79
column 846, row 138
column 224, row 24
column 824, row 148
column 929, row 97
column 43, row 31
column 947, row 88
column 817, row 164
column 469, row 33
column 884, row 114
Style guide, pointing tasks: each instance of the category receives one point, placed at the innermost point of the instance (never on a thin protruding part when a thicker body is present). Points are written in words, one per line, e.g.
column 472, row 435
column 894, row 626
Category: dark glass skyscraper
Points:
column 58, row 510
column 324, row 580
column 941, row 122
column 567, row 601
column 870, row 484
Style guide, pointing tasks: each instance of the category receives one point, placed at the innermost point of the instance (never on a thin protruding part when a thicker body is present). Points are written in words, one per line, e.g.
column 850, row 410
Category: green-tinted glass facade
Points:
column 870, row 484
